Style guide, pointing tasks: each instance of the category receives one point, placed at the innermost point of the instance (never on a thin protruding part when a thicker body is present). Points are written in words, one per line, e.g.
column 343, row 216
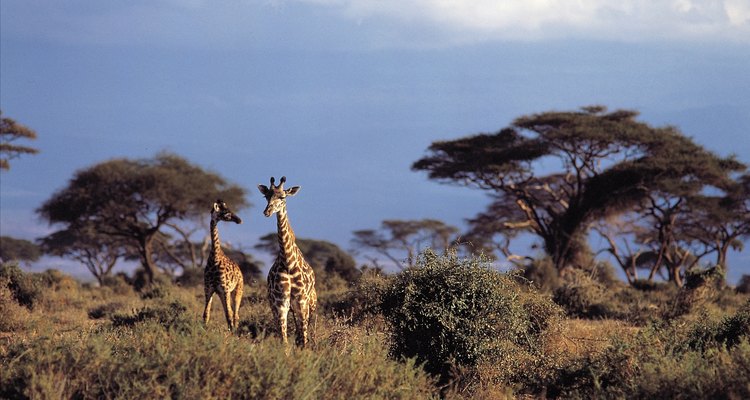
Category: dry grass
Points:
column 581, row 337
column 67, row 344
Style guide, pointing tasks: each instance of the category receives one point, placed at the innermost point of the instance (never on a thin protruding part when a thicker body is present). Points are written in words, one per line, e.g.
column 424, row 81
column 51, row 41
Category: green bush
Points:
column 450, row 312
column 726, row 333
column 25, row 287
column 364, row 299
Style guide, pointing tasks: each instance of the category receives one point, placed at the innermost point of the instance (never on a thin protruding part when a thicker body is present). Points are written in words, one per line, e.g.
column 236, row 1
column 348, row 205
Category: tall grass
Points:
column 498, row 338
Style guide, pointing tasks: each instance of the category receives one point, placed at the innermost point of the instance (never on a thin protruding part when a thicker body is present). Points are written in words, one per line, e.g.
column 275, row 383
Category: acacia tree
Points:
column 558, row 172
column 98, row 252
column 714, row 224
column 10, row 132
column 398, row 238
column 13, row 249
column 133, row 201
column 675, row 230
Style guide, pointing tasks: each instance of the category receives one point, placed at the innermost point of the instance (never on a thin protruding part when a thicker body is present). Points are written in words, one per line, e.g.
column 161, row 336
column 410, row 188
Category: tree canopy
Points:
column 553, row 174
column 13, row 249
column 134, row 201
column 10, row 132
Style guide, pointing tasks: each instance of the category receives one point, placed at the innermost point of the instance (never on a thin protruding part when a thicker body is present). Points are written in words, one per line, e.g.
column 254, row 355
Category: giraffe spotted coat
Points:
column 222, row 275
column 291, row 280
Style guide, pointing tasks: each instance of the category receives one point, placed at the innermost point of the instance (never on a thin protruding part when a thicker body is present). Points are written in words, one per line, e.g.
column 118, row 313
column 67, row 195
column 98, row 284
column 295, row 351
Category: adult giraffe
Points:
column 291, row 280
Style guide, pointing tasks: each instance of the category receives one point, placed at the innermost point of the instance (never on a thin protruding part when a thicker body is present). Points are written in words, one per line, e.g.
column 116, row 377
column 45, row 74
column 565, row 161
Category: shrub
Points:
column 140, row 280
column 743, row 286
column 364, row 299
column 652, row 366
column 191, row 277
column 700, row 287
column 646, row 285
column 118, row 283
column 25, row 287
column 13, row 316
column 458, row 312
column 107, row 310
column 583, row 297
column 727, row 333
column 173, row 316
column 543, row 274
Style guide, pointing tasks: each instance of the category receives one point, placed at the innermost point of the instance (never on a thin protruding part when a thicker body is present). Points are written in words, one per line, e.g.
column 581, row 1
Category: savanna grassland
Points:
column 449, row 327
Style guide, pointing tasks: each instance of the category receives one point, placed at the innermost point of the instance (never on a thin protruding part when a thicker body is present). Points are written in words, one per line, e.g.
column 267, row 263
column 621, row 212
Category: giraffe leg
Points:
column 225, row 301
column 281, row 312
column 207, row 309
column 297, row 314
column 304, row 322
column 237, row 300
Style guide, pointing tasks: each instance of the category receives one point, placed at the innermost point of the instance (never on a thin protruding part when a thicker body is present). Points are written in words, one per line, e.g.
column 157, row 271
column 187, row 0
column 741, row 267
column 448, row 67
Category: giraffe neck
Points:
column 287, row 241
column 215, row 243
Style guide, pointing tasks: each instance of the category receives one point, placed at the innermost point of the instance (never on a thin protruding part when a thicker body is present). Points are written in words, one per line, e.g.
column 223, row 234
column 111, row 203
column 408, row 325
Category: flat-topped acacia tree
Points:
column 553, row 174
column 133, row 200
column 10, row 132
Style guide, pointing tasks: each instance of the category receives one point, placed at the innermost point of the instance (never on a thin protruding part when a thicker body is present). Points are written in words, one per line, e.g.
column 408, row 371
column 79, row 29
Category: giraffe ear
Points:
column 263, row 189
column 293, row 190
column 216, row 207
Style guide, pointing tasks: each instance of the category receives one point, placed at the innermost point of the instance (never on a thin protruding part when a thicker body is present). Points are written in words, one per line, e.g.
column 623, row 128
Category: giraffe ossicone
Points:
column 222, row 275
column 291, row 280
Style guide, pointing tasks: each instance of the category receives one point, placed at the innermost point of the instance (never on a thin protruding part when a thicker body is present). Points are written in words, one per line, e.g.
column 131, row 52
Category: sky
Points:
column 342, row 96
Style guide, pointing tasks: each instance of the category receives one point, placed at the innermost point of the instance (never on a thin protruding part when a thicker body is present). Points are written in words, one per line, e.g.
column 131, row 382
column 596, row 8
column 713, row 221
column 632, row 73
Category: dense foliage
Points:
column 451, row 312
column 13, row 249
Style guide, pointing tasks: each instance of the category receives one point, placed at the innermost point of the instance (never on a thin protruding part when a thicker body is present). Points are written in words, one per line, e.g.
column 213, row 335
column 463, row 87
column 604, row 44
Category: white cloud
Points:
column 629, row 20
column 387, row 23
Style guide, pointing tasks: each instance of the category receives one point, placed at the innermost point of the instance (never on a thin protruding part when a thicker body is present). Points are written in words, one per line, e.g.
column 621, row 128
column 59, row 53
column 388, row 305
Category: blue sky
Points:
column 341, row 96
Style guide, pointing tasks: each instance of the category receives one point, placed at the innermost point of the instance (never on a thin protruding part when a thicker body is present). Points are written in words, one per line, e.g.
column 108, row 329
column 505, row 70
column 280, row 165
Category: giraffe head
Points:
column 276, row 195
column 220, row 212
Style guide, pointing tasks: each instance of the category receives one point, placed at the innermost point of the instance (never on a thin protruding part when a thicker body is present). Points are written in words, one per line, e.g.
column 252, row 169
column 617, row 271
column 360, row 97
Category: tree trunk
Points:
column 566, row 251
column 145, row 243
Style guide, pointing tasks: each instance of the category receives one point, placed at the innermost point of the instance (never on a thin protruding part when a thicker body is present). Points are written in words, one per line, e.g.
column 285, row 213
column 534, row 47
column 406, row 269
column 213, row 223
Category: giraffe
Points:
column 222, row 275
column 291, row 280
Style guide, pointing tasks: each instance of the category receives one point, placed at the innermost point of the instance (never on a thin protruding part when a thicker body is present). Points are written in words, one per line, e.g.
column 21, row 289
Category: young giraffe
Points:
column 291, row 281
column 222, row 275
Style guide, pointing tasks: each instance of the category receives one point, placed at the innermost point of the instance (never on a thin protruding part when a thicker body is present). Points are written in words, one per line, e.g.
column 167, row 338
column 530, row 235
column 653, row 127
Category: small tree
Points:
column 10, row 132
column 12, row 249
column 719, row 223
column 98, row 252
column 401, row 241
column 133, row 201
